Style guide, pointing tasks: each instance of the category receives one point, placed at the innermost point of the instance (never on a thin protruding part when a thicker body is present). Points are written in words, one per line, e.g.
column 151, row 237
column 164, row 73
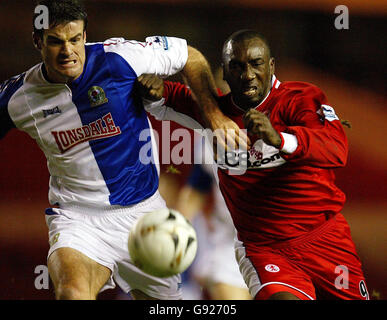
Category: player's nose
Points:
column 248, row 74
column 66, row 49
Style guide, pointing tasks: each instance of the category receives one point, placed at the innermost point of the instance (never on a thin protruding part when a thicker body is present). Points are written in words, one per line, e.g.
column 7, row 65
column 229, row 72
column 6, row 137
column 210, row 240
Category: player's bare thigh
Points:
column 224, row 291
column 75, row 276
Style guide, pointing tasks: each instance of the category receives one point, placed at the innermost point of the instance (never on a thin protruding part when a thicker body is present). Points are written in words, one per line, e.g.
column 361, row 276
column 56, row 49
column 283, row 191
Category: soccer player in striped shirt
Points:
column 81, row 108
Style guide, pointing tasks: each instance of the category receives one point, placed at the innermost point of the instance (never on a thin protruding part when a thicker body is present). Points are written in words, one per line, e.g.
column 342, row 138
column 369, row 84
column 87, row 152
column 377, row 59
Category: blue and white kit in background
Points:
column 215, row 261
column 90, row 132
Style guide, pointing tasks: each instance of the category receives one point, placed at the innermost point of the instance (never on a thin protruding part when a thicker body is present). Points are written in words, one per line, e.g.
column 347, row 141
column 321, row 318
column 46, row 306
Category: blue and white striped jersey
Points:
column 90, row 130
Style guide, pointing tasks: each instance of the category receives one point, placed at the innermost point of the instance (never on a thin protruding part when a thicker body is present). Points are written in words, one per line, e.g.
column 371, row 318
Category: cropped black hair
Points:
column 61, row 11
column 247, row 34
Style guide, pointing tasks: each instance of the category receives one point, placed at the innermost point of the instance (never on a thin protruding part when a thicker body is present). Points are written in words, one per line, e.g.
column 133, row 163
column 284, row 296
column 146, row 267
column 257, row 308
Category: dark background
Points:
column 349, row 65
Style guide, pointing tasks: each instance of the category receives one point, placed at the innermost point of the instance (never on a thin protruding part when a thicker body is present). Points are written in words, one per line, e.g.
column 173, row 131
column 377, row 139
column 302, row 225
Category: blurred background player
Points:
column 215, row 267
column 191, row 189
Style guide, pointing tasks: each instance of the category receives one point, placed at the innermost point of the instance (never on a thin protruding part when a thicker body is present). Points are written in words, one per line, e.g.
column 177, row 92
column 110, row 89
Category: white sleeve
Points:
column 159, row 55
column 290, row 143
column 161, row 112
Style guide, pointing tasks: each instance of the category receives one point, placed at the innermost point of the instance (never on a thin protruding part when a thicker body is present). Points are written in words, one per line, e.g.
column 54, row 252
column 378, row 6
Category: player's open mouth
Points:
column 67, row 63
column 250, row 91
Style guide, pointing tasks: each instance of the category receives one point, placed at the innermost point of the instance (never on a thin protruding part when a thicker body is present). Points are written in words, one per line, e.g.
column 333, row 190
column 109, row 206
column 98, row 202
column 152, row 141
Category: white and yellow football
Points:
column 162, row 243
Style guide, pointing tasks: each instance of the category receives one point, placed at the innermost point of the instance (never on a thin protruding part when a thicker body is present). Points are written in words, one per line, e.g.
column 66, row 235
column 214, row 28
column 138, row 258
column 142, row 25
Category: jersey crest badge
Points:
column 97, row 96
column 272, row 268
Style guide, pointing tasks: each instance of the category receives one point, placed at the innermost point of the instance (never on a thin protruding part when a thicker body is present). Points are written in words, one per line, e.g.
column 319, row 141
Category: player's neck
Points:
column 53, row 77
column 245, row 107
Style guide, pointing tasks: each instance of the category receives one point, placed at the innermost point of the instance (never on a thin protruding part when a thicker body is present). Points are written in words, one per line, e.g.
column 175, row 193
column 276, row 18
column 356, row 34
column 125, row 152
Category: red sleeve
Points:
column 321, row 138
column 179, row 97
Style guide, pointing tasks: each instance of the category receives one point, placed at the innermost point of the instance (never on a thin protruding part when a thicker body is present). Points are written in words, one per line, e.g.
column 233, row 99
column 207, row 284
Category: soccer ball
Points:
column 162, row 243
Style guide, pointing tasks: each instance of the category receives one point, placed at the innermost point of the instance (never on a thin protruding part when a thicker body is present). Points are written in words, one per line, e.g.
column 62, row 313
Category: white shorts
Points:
column 102, row 235
column 215, row 261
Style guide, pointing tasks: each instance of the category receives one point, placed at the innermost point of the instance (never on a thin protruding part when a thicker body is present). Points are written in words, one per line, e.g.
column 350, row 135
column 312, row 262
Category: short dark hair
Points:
column 247, row 34
column 61, row 11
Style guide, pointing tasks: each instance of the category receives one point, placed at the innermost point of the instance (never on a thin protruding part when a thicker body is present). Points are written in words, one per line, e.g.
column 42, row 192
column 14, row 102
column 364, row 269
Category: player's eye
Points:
column 256, row 63
column 54, row 41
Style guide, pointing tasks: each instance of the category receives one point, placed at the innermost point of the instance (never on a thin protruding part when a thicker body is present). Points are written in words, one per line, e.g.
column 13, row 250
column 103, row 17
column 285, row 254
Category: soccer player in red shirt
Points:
column 293, row 242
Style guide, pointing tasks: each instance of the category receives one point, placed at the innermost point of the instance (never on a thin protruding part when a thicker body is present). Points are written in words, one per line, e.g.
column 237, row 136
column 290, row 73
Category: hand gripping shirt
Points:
column 90, row 130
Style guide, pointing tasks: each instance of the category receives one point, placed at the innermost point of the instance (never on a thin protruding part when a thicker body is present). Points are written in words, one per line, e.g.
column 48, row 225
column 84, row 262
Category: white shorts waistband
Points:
column 110, row 210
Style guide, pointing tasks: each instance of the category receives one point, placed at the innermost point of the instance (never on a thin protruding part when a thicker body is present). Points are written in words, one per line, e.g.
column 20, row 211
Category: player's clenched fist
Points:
column 151, row 87
column 259, row 124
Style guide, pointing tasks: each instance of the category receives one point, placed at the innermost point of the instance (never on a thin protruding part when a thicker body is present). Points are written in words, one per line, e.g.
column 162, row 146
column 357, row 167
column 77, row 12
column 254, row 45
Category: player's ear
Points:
column 223, row 71
column 272, row 65
column 37, row 41
column 84, row 36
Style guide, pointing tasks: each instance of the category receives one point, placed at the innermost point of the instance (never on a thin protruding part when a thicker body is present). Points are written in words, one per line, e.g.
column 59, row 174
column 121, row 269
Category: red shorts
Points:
column 323, row 264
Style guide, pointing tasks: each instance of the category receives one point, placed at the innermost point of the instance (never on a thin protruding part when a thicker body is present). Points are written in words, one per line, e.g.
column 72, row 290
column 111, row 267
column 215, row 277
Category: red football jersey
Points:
column 280, row 196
